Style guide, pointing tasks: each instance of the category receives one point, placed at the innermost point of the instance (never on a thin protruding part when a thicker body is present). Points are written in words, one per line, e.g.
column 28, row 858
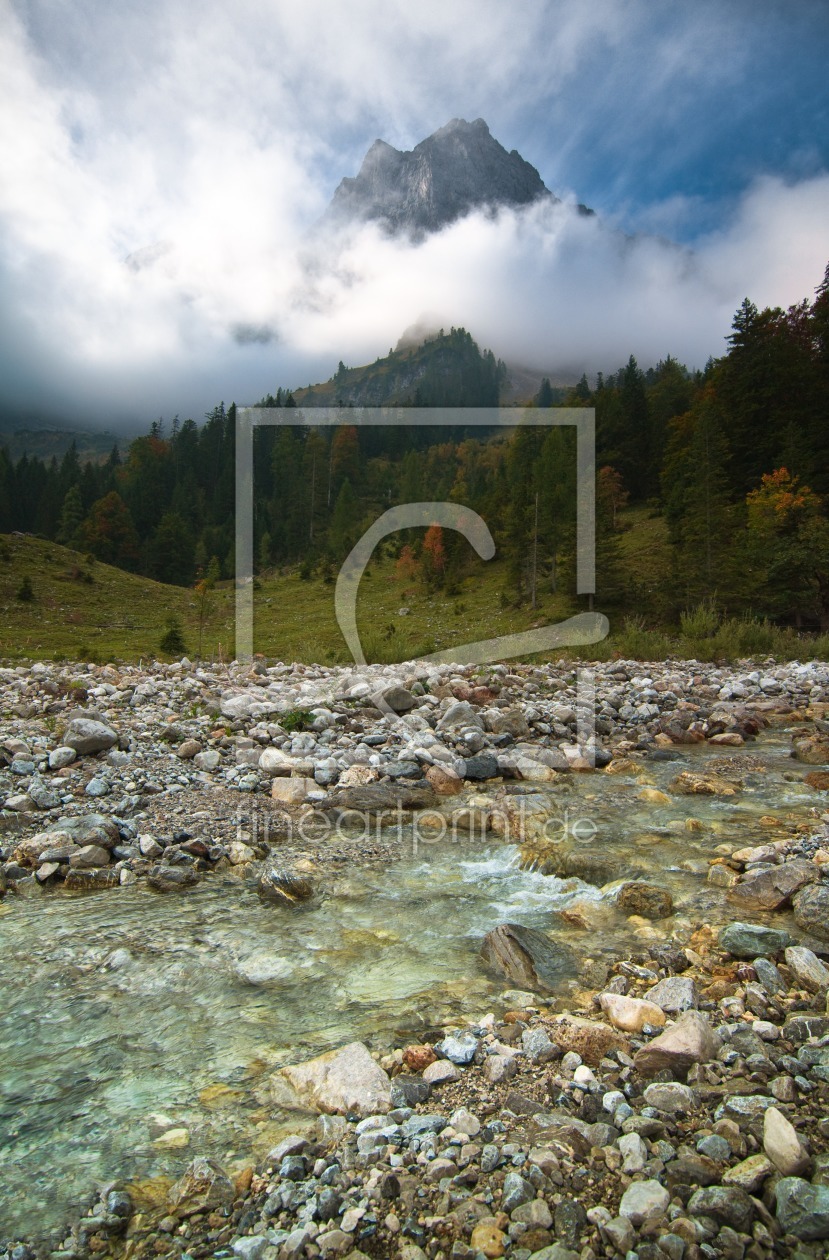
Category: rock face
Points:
column 342, row 1081
column 459, row 168
column 526, row 957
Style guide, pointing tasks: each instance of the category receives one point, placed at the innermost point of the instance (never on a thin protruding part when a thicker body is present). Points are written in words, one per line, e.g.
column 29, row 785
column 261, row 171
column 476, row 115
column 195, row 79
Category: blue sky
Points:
column 166, row 162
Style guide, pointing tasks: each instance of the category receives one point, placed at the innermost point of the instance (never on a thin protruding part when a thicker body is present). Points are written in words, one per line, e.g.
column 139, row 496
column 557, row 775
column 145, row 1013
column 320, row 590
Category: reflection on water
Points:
column 125, row 1014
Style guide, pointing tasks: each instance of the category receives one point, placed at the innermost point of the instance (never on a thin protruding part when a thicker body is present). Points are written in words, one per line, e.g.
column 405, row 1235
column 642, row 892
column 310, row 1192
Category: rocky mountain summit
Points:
column 460, row 168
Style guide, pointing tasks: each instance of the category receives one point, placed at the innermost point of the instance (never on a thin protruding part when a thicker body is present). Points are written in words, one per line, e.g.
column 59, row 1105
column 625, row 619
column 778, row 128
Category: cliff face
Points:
column 459, row 168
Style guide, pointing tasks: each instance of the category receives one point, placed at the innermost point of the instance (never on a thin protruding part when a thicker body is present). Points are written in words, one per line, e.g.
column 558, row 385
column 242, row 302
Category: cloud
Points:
column 164, row 168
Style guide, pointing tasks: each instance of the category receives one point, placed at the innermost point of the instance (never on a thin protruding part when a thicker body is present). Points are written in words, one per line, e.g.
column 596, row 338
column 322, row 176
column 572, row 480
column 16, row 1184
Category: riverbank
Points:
column 274, row 779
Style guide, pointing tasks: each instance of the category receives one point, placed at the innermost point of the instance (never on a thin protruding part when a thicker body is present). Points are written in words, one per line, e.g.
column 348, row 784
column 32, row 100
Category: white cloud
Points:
column 204, row 141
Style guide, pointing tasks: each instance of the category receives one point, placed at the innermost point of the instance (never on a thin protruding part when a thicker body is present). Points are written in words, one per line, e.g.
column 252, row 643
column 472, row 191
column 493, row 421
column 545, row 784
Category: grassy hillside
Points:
column 89, row 610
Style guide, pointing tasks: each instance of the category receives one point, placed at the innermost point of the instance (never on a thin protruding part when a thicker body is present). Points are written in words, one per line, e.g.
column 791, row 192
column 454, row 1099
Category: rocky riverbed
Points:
column 660, row 1093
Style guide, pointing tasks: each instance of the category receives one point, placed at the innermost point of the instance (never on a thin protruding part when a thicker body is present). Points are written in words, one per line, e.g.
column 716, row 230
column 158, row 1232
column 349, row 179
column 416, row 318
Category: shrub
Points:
column 172, row 641
column 25, row 591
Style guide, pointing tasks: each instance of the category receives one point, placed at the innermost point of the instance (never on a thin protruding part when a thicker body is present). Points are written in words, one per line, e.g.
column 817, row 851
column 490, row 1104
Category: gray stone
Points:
column 670, row 1096
column 769, row 976
column 517, row 1190
column 674, row 994
column 730, row 1205
column 774, row 889
column 88, row 736
column 807, row 968
column 458, row 1047
column 89, row 856
column 803, row 1209
column 408, row 1091
column 811, row 910
column 747, row 940
column 481, row 766
column 280, row 886
column 644, row 1200
column 715, row 1147
column 251, row 1248
column 537, row 1045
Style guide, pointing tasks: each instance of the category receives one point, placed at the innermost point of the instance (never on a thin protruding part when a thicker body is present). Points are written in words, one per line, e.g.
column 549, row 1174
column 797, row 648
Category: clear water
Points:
column 102, row 1051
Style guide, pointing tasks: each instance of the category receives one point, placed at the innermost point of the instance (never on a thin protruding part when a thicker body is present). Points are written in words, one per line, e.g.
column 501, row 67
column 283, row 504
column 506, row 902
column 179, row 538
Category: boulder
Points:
column 88, row 829
column 283, row 887
column 526, row 957
column 674, row 994
column 690, row 1040
column 292, row 791
column 774, row 889
column 164, row 878
column 729, row 1205
column 811, row 910
column 90, row 855
column 813, row 749
column 631, row 1014
column 587, row 1038
column 803, row 1209
column 340, row 1082
column 398, row 699
column 782, row 1145
column 747, row 940
column 639, row 897
column 807, row 968
column 88, row 736
column 644, row 1201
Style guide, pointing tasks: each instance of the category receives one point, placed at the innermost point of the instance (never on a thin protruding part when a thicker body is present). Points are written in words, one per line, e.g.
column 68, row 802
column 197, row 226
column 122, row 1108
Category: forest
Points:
column 732, row 458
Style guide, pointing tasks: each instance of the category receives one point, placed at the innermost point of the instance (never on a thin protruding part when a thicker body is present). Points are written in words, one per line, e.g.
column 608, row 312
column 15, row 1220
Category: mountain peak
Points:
column 460, row 168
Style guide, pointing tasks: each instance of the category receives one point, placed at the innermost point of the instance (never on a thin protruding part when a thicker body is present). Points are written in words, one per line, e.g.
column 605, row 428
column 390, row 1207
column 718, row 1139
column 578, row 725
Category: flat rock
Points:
column 383, row 797
column 747, row 940
column 341, row 1081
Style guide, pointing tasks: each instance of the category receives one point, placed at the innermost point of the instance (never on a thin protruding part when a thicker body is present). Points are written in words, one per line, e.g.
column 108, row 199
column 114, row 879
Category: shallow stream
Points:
column 126, row 1014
